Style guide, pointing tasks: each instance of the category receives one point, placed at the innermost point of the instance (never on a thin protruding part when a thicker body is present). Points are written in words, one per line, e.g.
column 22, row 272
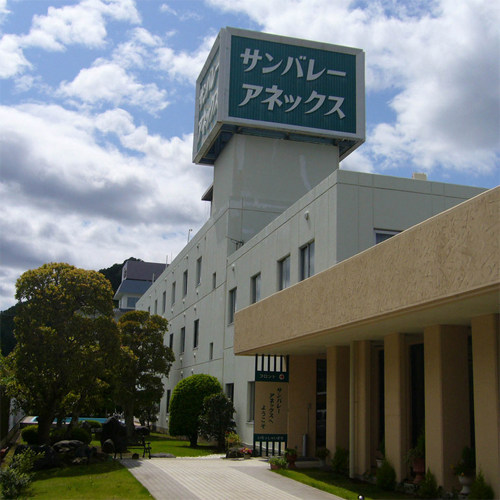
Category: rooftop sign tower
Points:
column 266, row 85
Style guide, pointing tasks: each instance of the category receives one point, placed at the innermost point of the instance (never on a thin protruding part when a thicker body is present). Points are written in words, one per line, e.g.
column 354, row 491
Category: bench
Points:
column 136, row 442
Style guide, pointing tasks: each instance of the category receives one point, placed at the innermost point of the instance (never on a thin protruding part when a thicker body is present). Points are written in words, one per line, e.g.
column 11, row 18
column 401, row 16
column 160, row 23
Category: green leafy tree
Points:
column 187, row 403
column 217, row 418
column 67, row 341
column 144, row 361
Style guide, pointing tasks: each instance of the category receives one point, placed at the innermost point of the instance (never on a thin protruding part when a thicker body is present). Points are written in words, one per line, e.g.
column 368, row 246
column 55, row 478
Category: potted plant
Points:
column 416, row 458
column 291, row 457
column 465, row 469
column 322, row 453
column 277, row 462
column 246, row 452
column 381, row 453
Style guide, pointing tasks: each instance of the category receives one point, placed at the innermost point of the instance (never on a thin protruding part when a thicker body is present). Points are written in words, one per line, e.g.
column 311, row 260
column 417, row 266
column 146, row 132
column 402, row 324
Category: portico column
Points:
column 485, row 362
column 447, row 414
column 362, row 407
column 396, row 402
column 337, row 398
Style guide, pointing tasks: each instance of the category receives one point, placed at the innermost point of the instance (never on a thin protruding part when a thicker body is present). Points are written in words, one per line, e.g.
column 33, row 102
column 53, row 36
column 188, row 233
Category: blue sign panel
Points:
column 268, row 85
column 292, row 84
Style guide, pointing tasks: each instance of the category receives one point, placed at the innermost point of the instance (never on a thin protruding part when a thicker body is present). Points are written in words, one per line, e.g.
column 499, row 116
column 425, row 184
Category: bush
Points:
column 57, row 435
column 386, row 476
column 428, row 487
column 279, row 462
column 80, row 434
column 340, row 461
column 187, row 402
column 94, row 424
column 480, row 489
column 30, row 434
column 216, row 419
column 15, row 479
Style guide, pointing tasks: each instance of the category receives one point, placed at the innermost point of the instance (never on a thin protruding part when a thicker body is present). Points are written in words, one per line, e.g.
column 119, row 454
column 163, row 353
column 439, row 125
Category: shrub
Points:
column 233, row 440
column 57, row 435
column 187, row 402
column 80, row 434
column 322, row 453
column 386, row 476
column 340, row 461
column 216, row 419
column 480, row 489
column 428, row 487
column 30, row 434
column 94, row 424
column 280, row 462
column 15, row 479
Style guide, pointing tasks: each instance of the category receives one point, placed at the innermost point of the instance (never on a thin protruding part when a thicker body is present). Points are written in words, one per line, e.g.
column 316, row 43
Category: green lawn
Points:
column 341, row 485
column 107, row 481
column 161, row 443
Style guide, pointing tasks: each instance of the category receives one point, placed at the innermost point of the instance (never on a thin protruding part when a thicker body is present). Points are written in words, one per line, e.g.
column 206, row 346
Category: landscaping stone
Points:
column 162, row 455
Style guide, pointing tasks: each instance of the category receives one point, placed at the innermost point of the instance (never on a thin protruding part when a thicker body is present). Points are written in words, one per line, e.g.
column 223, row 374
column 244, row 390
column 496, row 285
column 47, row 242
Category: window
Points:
column 173, row 293
column 131, row 302
column 214, row 281
column 230, row 391
column 232, row 305
column 171, row 341
column 198, row 271
column 381, row 235
column 169, row 393
column 183, row 339
column 156, row 306
column 196, row 333
column 185, row 283
column 211, row 351
column 284, row 273
column 255, row 292
column 307, row 261
column 164, row 302
column 251, row 402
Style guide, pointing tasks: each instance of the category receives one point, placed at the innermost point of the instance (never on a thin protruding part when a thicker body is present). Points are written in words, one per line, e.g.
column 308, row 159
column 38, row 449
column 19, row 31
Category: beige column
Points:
column 302, row 402
column 337, row 398
column 447, row 412
column 362, row 407
column 396, row 402
column 485, row 361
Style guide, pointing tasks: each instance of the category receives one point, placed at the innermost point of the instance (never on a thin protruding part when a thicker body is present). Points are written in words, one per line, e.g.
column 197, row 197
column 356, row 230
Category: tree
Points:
column 67, row 341
column 144, row 361
column 216, row 419
column 187, row 402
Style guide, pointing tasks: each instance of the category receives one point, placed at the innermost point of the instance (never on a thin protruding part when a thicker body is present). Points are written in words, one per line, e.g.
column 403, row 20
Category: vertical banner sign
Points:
column 271, row 403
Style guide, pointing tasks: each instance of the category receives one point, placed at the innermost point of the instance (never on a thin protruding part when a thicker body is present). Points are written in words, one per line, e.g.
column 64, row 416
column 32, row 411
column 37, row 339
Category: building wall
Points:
column 255, row 179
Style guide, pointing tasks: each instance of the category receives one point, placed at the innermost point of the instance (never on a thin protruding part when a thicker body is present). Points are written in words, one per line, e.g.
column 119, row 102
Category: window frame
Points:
column 196, row 333
column 255, row 288
column 284, row 278
column 232, row 305
column 307, row 256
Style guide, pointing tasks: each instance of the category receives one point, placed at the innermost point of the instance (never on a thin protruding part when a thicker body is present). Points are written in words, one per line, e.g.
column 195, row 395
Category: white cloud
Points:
column 183, row 65
column 82, row 24
column 107, row 82
column 70, row 195
column 441, row 59
column 12, row 60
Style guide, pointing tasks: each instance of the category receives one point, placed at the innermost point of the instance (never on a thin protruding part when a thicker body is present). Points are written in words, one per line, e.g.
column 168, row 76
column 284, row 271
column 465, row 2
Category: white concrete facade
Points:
column 272, row 198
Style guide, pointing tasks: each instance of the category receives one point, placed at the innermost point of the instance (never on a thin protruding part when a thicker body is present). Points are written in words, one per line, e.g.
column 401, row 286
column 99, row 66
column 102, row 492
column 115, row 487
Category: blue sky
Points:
column 97, row 112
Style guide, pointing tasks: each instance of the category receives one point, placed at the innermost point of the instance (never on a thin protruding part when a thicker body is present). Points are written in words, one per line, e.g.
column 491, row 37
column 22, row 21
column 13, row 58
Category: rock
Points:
column 162, row 455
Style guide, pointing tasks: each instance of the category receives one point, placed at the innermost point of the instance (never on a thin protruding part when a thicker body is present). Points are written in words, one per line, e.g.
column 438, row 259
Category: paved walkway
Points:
column 218, row 479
